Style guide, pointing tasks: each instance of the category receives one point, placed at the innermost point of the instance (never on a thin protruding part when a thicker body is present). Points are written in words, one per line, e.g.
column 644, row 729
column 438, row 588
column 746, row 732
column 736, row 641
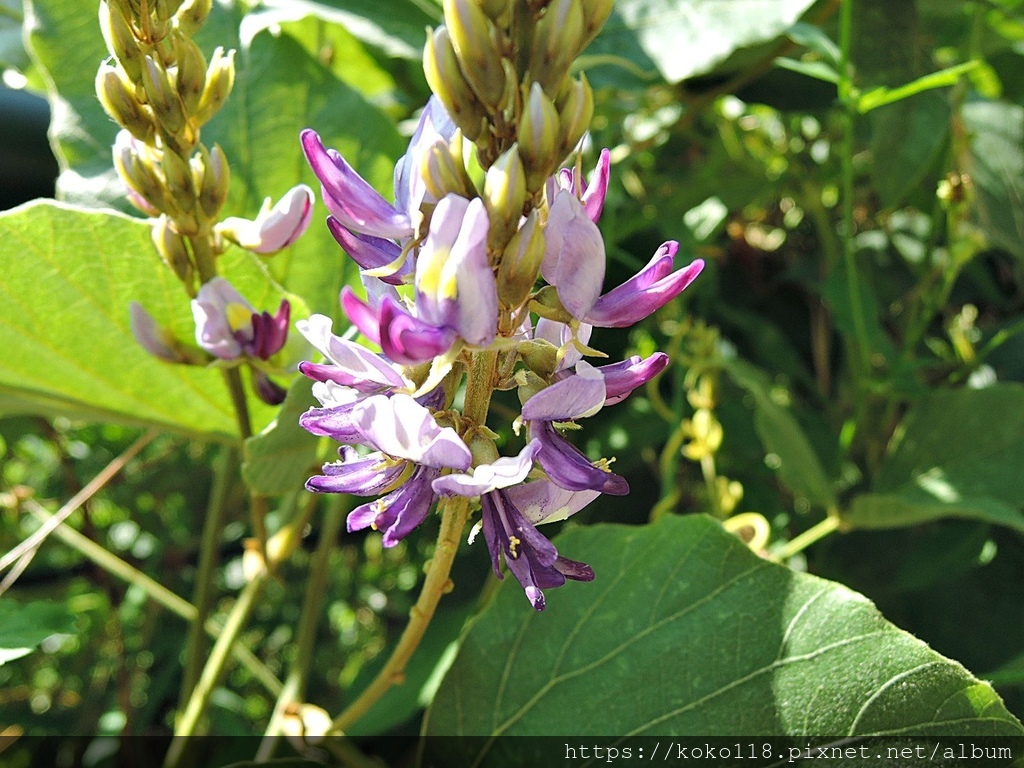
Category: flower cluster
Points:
column 445, row 295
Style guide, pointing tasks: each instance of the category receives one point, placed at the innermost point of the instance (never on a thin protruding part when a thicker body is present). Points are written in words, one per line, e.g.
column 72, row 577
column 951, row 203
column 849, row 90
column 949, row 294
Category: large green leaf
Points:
column 69, row 276
column 684, row 39
column 957, row 454
column 24, row 626
column 280, row 458
column 792, row 454
column 280, row 88
column 687, row 632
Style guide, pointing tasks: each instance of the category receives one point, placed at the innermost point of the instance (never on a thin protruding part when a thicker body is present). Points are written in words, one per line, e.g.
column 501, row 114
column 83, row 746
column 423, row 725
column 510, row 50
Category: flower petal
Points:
column 353, row 364
column 650, row 289
column 622, row 378
column 222, row 317
column 574, row 255
column 544, row 502
column 358, row 475
column 568, row 468
column 502, row 473
column 274, row 228
column 404, row 429
column 410, row 341
column 576, row 396
column 370, row 252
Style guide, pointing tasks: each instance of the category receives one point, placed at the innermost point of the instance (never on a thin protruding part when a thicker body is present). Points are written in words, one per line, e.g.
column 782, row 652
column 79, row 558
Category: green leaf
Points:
column 956, row 454
column 784, row 440
column 686, row 39
column 819, row 70
column 279, row 459
column 69, row 276
column 24, row 626
column 685, row 632
column 996, row 132
column 879, row 97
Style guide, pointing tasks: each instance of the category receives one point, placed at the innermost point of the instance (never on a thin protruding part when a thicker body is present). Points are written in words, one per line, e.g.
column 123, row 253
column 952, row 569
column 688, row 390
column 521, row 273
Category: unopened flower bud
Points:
column 557, row 40
column 575, row 111
column 162, row 96
column 595, row 14
column 445, row 78
column 191, row 73
column 547, row 304
column 480, row 441
column 443, row 173
column 540, row 356
column 495, row 9
column 220, row 78
column 539, row 138
column 520, row 263
column 213, row 180
column 171, row 247
column 192, row 14
column 153, row 338
column 275, row 227
column 178, row 180
column 117, row 96
column 504, row 197
column 473, row 37
column 133, row 166
column 120, row 41
column 163, row 10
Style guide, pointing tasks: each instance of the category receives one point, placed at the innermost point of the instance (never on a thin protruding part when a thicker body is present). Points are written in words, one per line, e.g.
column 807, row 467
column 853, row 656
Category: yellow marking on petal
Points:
column 239, row 316
column 429, row 270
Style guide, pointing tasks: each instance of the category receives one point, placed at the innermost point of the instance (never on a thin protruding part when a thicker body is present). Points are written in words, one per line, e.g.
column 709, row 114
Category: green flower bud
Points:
column 494, row 9
column 557, row 40
column 121, row 42
column 539, row 356
column 163, row 97
column 178, row 181
column 480, row 442
column 164, row 10
column 171, row 247
column 220, row 78
column 575, row 110
column 547, row 304
column 595, row 14
column 134, row 167
column 473, row 37
column 520, row 263
column 192, row 15
column 211, row 178
column 504, row 197
column 539, row 138
column 445, row 78
column 117, row 96
column 191, row 73
column 444, row 173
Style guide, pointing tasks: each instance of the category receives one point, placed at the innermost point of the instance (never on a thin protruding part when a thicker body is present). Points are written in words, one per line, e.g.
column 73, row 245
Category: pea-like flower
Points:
column 276, row 227
column 228, row 327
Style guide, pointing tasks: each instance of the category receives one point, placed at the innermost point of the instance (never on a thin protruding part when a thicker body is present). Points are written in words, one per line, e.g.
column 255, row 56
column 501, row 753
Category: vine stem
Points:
column 202, row 598
column 153, row 589
column 295, row 684
column 454, row 513
column 214, row 667
column 815, row 533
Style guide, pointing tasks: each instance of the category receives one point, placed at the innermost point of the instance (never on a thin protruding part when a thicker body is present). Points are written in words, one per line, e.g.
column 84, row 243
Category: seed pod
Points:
column 212, row 181
column 557, row 40
column 504, row 197
column 171, row 247
column 574, row 114
column 220, row 78
column 520, row 263
column 473, row 37
column 118, row 99
column 445, row 78
column 539, row 139
column 162, row 97
column 191, row 73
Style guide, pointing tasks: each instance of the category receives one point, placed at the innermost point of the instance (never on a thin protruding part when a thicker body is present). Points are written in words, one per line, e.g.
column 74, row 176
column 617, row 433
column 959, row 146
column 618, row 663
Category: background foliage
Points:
column 848, row 368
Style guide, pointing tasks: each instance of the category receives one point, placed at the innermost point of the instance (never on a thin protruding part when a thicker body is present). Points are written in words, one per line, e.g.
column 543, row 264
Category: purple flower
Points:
column 275, row 227
column 622, row 378
column 351, row 365
column 650, row 289
column 399, row 512
column 371, row 253
column 151, row 337
column 592, row 196
column 228, row 327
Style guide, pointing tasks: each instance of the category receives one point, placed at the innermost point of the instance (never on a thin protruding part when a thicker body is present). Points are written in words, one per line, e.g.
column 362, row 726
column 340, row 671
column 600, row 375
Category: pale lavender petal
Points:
column 410, row 189
column 567, row 467
column 595, row 193
column 349, row 197
column 576, row 396
column 274, row 228
column 560, row 334
column 353, row 365
column 404, row 429
column 502, row 473
column 477, row 318
column 331, row 394
column 574, row 255
column 149, row 335
column 622, row 378
column 370, row 252
column 336, row 423
column 362, row 476
column 222, row 317
column 544, row 502
column 408, row 340
column 436, row 285
column 650, row 289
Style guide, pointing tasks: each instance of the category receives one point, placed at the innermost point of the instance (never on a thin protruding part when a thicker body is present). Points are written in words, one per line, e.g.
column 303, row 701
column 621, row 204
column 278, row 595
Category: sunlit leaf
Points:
column 25, row 626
